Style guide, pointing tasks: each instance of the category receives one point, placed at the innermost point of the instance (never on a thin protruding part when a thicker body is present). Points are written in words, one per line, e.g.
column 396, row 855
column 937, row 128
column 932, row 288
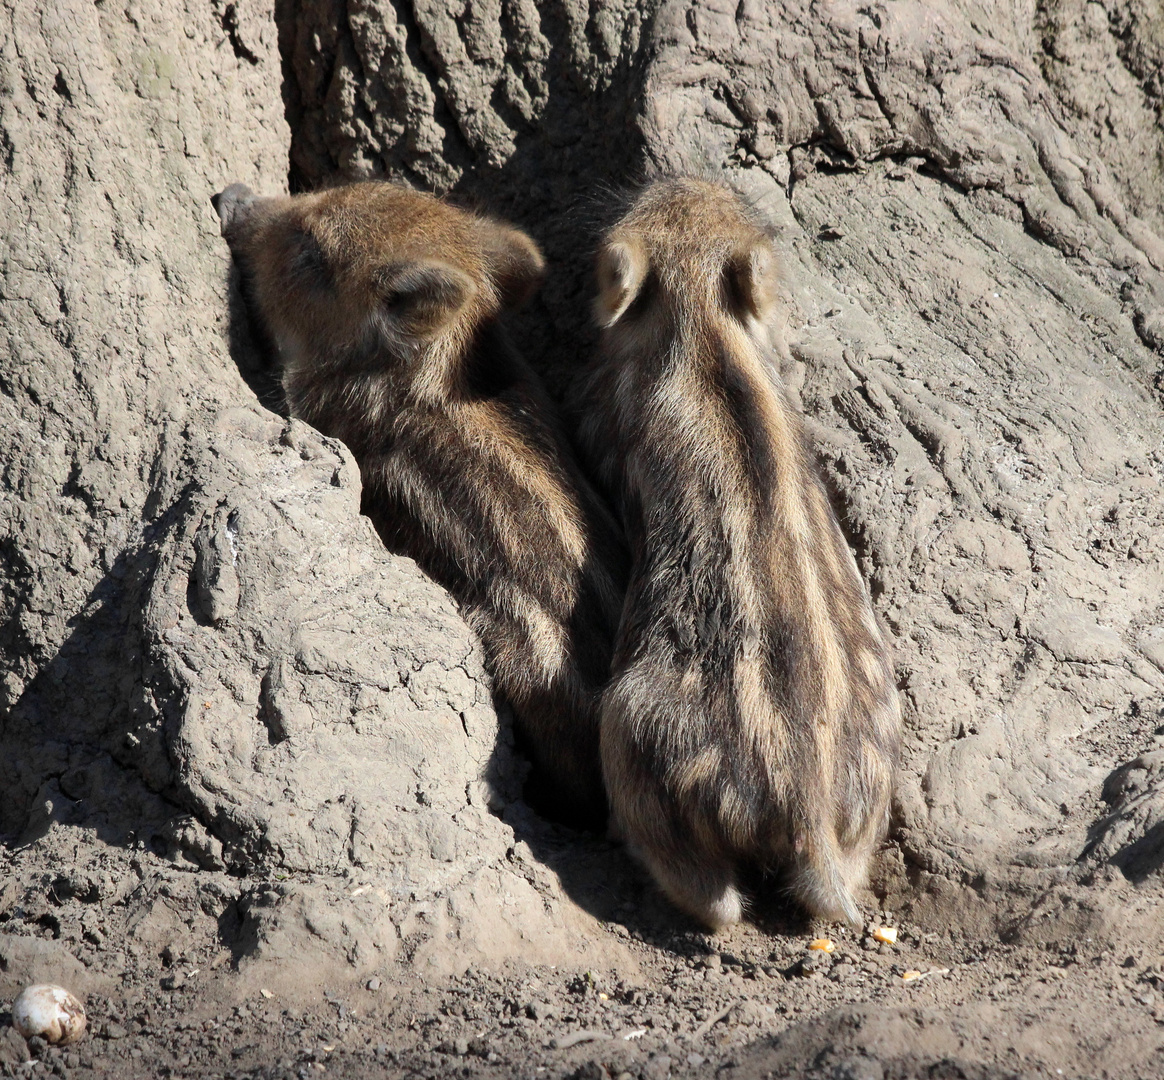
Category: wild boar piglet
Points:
column 385, row 307
column 752, row 717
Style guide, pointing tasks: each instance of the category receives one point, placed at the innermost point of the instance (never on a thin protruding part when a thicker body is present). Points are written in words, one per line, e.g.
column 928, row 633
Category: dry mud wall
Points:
column 204, row 649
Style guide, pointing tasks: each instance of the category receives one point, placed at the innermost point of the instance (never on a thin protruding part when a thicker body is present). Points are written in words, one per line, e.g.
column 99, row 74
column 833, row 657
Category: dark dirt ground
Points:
column 1075, row 988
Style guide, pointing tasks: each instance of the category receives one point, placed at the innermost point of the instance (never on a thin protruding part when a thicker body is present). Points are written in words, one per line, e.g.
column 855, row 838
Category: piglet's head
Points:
column 372, row 268
column 685, row 249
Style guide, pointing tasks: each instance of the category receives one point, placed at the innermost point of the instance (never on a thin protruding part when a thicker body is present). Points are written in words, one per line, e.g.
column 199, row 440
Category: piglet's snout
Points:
column 231, row 204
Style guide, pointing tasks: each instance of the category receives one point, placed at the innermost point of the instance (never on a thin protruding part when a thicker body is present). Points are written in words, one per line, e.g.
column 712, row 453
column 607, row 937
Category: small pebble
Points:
column 657, row 1068
column 815, row 963
column 374, row 983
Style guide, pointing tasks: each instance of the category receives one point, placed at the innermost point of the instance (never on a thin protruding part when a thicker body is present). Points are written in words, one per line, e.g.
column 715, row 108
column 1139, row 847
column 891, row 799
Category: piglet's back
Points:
column 751, row 716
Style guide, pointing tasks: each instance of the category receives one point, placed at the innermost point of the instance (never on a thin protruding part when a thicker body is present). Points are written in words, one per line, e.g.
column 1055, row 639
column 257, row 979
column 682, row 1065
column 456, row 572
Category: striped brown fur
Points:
column 384, row 306
column 752, row 717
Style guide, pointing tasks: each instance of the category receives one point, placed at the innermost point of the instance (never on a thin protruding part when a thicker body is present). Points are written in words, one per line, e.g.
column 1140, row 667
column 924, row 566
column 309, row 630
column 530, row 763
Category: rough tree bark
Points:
column 201, row 643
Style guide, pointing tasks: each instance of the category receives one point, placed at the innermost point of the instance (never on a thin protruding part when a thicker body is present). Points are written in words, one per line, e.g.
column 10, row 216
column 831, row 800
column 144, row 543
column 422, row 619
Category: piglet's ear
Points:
column 424, row 297
column 622, row 268
column 750, row 280
column 516, row 265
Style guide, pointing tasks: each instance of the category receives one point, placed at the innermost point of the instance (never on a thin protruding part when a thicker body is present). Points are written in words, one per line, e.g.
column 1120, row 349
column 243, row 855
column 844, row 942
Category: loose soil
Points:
column 1075, row 989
